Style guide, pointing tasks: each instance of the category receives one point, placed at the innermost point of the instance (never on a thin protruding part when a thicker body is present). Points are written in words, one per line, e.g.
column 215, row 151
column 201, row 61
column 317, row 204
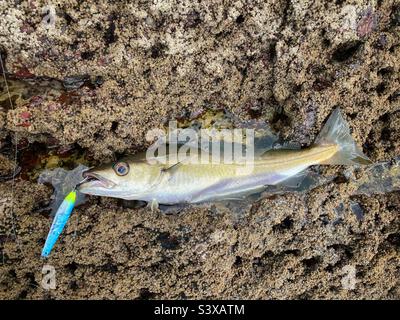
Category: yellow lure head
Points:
column 71, row 197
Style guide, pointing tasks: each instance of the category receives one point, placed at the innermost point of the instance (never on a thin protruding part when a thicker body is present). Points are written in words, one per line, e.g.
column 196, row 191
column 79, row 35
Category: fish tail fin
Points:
column 336, row 131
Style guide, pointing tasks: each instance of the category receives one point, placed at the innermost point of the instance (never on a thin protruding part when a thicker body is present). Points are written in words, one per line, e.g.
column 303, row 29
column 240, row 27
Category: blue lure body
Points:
column 60, row 220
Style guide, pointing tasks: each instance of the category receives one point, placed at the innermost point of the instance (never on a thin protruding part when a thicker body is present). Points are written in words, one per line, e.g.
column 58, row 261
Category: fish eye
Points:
column 121, row 168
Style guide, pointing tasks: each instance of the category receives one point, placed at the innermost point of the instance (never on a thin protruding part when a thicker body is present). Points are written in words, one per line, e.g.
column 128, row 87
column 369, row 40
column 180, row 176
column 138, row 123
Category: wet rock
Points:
column 367, row 23
column 63, row 181
column 75, row 82
column 357, row 210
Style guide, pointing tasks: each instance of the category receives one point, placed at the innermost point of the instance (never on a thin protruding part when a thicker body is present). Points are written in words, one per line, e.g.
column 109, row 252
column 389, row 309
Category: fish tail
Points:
column 336, row 131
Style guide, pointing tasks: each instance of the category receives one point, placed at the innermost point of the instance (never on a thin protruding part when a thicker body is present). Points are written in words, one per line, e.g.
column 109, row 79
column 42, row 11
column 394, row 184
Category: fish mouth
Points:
column 94, row 180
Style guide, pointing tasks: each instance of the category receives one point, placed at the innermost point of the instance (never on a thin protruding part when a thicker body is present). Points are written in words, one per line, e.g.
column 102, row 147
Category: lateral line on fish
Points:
column 297, row 155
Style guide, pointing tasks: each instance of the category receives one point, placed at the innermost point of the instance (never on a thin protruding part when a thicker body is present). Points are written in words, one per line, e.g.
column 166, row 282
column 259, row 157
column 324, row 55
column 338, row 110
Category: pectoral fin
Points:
column 172, row 168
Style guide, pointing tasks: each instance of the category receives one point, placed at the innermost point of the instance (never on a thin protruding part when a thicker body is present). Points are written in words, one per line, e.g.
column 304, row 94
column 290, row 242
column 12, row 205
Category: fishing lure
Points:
column 60, row 220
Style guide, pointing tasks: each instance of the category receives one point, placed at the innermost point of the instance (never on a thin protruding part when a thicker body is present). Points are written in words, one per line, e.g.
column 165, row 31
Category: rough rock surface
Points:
column 286, row 62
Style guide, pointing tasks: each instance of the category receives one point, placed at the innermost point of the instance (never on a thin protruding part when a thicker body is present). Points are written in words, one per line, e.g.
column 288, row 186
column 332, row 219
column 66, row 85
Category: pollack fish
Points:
column 187, row 182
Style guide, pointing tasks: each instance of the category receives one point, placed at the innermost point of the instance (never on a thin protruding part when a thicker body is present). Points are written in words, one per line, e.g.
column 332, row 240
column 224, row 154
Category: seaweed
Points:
column 63, row 181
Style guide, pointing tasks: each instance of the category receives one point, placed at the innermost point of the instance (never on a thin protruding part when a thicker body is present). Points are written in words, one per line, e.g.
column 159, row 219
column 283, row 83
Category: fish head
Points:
column 123, row 179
